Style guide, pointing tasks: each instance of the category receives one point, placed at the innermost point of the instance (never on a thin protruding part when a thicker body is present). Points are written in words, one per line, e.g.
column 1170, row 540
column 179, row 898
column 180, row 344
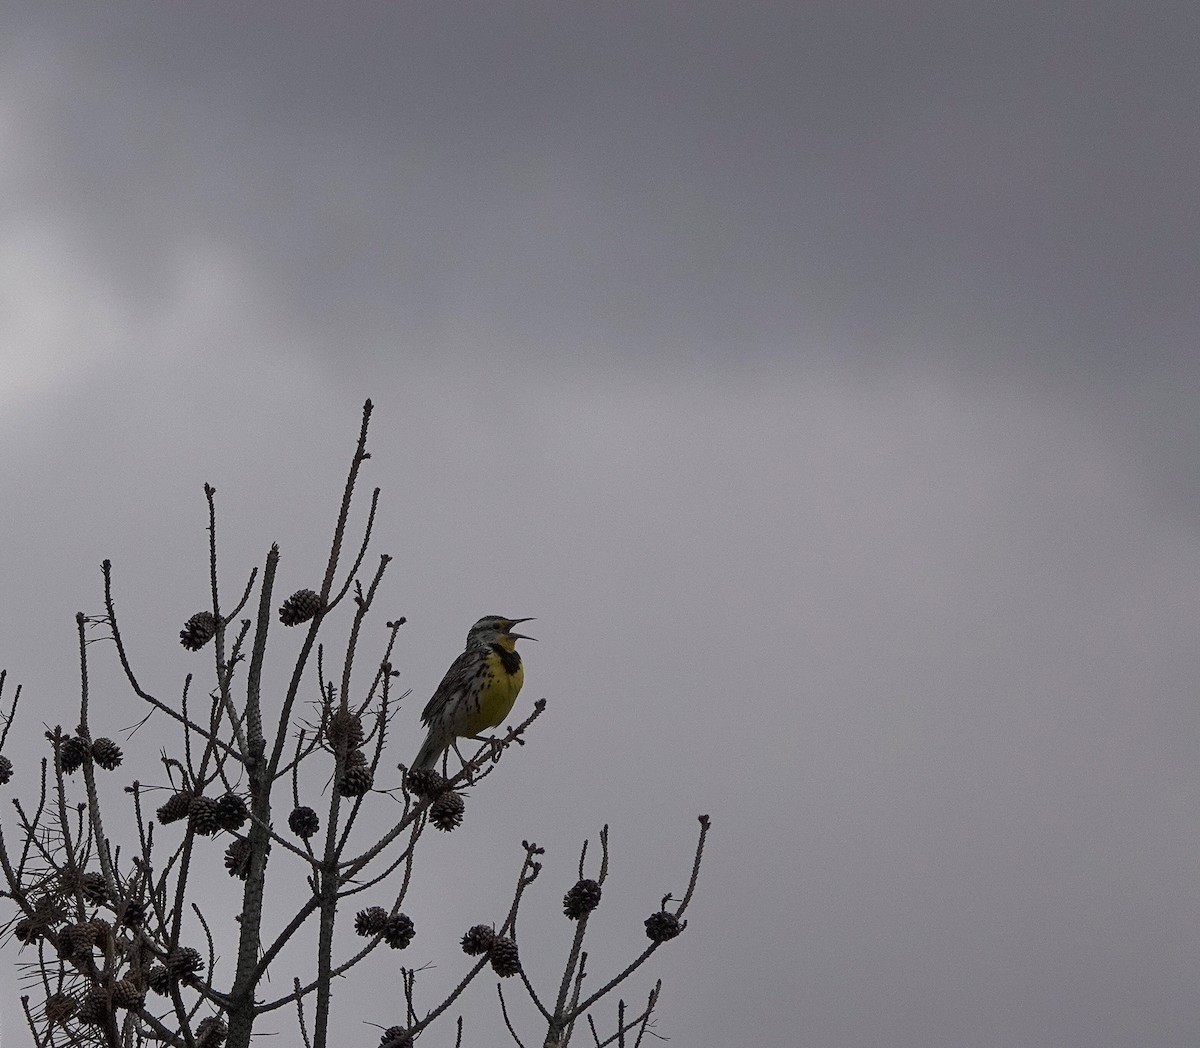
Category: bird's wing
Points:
column 452, row 684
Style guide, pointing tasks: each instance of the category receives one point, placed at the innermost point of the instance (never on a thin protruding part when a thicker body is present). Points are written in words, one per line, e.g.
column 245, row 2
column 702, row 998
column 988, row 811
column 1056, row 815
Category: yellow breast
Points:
column 497, row 696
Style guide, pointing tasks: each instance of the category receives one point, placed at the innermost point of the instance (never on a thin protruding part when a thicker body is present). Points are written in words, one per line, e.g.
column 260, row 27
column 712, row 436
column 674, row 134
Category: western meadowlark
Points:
column 478, row 690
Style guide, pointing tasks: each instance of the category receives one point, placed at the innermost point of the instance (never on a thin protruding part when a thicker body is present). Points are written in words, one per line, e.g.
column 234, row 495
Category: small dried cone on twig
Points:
column 425, row 782
column 204, row 817
column 370, row 921
column 159, row 980
column 663, row 926
column 211, row 1032
column 505, row 959
column 107, row 754
column 176, row 807
column 77, row 940
column 237, row 858
column 478, row 940
column 232, row 812
column 300, row 607
column 446, row 813
column 304, row 822
column 198, row 630
column 73, row 753
column 398, row 931
column 60, row 1007
column 356, row 780
column 184, row 961
column 125, row 994
column 94, row 1008
column 344, row 729
column 582, row 899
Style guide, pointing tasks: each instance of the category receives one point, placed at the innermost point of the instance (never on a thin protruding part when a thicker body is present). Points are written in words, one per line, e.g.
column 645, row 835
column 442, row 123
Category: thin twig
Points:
column 123, row 658
column 12, row 711
column 362, row 549
column 642, row 957
column 300, row 1013
column 507, row 1021
column 454, row 995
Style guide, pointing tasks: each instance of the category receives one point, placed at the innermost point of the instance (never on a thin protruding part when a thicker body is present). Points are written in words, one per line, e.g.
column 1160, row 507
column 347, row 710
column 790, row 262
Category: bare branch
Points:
column 94, row 931
column 123, row 658
column 645, row 954
column 507, row 1021
column 12, row 710
column 300, row 1013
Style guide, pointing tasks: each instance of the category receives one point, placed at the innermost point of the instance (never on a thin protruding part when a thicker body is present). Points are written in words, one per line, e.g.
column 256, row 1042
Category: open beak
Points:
column 519, row 636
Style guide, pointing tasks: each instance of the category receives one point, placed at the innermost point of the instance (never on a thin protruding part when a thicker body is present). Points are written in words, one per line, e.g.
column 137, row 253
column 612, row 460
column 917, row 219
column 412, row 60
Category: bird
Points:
column 478, row 689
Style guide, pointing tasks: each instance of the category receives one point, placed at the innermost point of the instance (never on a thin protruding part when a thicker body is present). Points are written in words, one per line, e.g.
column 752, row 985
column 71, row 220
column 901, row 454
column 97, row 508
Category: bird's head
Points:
column 496, row 629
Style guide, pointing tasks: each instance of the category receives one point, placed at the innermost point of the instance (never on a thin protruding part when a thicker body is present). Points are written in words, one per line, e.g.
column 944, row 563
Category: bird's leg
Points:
column 466, row 763
column 495, row 746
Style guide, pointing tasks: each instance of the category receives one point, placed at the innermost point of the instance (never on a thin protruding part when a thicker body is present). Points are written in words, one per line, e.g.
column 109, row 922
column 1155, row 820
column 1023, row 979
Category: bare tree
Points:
column 113, row 940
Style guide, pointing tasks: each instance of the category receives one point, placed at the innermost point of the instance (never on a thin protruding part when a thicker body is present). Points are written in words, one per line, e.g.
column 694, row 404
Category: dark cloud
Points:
column 1009, row 185
column 822, row 373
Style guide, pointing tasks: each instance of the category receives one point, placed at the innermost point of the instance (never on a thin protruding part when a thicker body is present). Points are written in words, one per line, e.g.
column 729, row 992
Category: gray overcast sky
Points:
column 822, row 375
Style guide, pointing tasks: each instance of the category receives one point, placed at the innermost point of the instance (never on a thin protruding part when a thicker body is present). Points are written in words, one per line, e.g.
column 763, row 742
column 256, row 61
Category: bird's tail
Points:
column 430, row 751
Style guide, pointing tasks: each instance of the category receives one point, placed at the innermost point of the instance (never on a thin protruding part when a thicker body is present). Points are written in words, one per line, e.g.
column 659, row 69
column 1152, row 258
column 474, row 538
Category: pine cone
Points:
column 398, row 932
column 60, row 1007
column 94, row 1010
column 67, row 883
column 73, row 753
column 159, row 980
column 355, row 759
column 237, row 858
column 133, row 915
column 203, row 816
column 356, row 781
column 107, row 754
column 184, row 961
column 344, row 728
column 93, row 888
column 176, row 807
column 395, row 1037
column 304, row 822
column 582, row 899
column 232, row 812
column 25, row 930
column 478, row 940
column 125, row 994
column 425, row 782
column 103, row 931
column 6, row 770
column 370, row 921
column 211, row 1032
column 77, row 940
column 300, row 607
column 504, row 957
column 49, row 909
column 447, row 811
column 198, row 630
column 663, row 926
